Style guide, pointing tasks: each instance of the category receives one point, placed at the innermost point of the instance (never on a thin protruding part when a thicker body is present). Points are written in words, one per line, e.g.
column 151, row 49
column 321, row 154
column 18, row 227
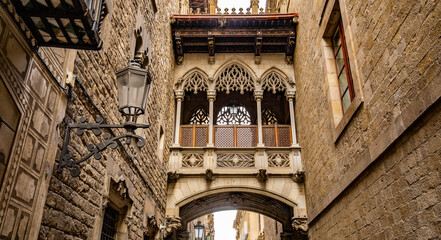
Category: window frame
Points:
column 346, row 67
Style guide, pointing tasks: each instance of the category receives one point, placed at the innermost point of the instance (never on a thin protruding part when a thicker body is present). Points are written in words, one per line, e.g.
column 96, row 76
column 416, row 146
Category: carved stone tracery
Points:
column 193, row 160
column 235, row 160
column 234, row 78
column 195, row 82
column 273, row 82
column 278, row 160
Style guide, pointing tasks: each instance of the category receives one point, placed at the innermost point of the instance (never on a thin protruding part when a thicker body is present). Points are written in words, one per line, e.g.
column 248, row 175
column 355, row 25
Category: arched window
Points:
column 233, row 114
column 200, row 117
column 268, row 117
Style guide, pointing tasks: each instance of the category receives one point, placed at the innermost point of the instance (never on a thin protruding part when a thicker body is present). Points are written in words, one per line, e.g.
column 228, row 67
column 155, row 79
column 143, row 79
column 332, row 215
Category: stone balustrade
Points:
column 196, row 160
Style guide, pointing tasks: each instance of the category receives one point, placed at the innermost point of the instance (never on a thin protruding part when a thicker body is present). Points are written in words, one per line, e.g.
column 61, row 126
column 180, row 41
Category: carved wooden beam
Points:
column 179, row 48
column 211, row 48
column 290, row 48
column 258, row 47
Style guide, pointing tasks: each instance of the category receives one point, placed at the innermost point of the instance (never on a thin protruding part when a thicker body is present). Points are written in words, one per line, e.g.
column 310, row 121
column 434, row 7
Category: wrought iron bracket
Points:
column 66, row 160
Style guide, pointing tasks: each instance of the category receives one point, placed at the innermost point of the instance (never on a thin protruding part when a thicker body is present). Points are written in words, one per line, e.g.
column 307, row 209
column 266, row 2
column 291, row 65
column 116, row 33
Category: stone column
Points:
column 258, row 96
column 179, row 98
column 211, row 96
column 255, row 6
column 290, row 95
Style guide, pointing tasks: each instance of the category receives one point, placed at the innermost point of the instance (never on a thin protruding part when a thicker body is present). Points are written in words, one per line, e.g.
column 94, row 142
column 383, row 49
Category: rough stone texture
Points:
column 395, row 54
column 74, row 204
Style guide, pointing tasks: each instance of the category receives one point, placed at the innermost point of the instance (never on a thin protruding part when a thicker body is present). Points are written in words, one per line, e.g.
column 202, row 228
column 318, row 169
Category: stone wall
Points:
column 375, row 172
column 26, row 157
column 75, row 206
column 271, row 228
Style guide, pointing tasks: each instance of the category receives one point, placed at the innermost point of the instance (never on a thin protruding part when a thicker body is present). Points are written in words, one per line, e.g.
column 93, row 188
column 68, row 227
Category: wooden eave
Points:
column 251, row 33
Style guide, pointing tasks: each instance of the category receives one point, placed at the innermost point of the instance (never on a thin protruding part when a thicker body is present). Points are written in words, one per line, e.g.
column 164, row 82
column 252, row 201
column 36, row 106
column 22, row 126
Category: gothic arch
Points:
column 274, row 80
column 193, row 81
column 235, row 75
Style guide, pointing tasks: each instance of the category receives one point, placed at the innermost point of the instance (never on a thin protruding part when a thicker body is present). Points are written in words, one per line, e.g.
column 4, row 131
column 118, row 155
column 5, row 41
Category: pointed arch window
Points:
column 199, row 117
column 233, row 114
column 268, row 117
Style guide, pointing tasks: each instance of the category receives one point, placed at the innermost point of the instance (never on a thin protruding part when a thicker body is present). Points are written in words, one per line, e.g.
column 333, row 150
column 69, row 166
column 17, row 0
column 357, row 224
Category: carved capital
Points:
column 211, row 95
column 179, row 94
column 299, row 177
column 290, row 94
column 258, row 95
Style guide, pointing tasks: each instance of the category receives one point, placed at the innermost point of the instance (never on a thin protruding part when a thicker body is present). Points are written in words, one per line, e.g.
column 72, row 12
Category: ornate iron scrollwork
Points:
column 66, row 160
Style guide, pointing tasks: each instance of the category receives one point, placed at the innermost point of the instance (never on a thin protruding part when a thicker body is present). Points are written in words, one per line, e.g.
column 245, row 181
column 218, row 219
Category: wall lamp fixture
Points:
column 133, row 84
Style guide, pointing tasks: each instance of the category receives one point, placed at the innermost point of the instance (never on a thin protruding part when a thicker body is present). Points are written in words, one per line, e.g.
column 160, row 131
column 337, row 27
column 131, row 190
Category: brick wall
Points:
column 73, row 205
column 394, row 50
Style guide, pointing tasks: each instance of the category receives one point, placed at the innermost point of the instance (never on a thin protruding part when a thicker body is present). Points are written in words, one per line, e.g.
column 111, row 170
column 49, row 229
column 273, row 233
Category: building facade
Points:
column 251, row 225
column 323, row 115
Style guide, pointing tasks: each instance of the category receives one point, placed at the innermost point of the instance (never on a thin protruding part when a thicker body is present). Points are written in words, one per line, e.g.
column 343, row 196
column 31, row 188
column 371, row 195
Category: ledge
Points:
column 344, row 122
column 427, row 98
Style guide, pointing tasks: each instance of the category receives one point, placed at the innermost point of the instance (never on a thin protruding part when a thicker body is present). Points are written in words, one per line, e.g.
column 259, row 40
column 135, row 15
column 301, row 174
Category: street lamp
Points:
column 133, row 84
column 199, row 230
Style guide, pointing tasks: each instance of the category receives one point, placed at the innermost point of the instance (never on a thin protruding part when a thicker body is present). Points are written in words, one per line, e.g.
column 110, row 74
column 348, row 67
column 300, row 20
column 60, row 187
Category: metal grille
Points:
column 246, row 136
column 224, row 136
column 201, row 136
column 284, row 136
column 186, row 136
column 109, row 223
column 269, row 138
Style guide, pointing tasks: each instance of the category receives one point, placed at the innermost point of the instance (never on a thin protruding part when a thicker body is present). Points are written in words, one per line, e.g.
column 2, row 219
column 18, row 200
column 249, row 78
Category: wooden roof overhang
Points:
column 240, row 33
column 60, row 23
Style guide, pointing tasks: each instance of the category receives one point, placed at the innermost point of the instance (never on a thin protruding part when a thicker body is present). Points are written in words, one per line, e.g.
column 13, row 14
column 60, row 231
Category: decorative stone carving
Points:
column 274, row 82
column 179, row 48
column 278, row 160
column 120, row 188
column 301, row 225
column 235, row 199
column 152, row 226
column 211, row 48
column 209, row 175
column 258, row 47
column 235, row 160
column 172, row 177
column 234, row 78
column 195, row 82
column 299, row 177
column 290, row 48
column 172, row 225
column 193, row 160
column 222, row 21
column 262, row 175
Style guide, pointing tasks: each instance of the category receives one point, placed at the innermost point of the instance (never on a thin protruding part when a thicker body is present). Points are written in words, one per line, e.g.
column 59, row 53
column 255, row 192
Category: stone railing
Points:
column 232, row 11
column 223, row 160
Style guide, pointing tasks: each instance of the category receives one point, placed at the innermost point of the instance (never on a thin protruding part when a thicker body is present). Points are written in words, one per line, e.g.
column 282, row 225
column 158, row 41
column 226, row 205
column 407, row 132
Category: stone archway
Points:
column 278, row 197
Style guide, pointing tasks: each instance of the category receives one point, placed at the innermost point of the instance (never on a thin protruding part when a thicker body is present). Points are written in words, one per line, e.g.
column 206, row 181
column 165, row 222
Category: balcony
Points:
column 65, row 23
column 235, row 136
column 235, row 150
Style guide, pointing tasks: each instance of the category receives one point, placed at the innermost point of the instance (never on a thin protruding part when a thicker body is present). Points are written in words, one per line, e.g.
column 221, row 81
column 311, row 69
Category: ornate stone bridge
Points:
column 235, row 145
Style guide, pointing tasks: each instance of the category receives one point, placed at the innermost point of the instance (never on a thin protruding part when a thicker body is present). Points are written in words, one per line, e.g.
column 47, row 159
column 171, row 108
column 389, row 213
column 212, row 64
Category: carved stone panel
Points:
column 235, row 160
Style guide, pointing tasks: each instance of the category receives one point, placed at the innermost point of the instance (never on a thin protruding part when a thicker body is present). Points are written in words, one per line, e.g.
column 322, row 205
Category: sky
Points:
column 222, row 4
column 223, row 225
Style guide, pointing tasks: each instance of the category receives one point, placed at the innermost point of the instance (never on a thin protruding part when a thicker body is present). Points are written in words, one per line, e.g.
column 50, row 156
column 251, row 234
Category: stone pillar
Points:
column 213, row 6
column 179, row 98
column 211, row 96
column 258, row 96
column 290, row 95
column 255, row 6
